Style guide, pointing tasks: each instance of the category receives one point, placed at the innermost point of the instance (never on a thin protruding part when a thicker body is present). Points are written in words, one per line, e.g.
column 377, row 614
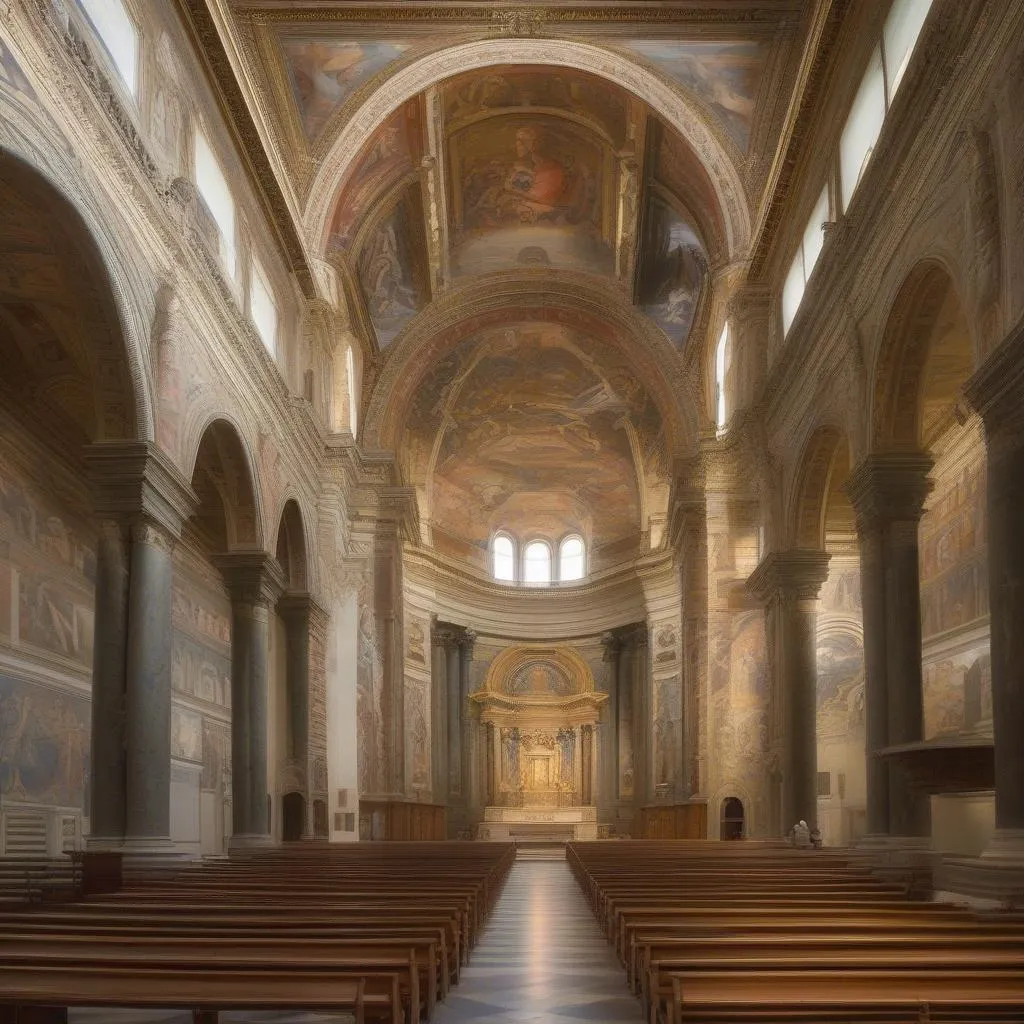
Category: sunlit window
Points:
column 262, row 308
column 803, row 263
column 117, row 31
column 902, row 27
column 350, row 374
column 213, row 187
column 537, row 562
column 863, row 126
column 503, row 554
column 721, row 371
column 571, row 558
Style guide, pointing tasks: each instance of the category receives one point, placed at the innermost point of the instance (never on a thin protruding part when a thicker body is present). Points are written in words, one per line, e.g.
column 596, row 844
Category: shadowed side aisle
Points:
column 541, row 958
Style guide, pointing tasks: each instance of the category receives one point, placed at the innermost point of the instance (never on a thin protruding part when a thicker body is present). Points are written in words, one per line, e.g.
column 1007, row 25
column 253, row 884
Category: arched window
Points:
column 571, row 559
column 721, row 371
column 503, row 558
column 537, row 562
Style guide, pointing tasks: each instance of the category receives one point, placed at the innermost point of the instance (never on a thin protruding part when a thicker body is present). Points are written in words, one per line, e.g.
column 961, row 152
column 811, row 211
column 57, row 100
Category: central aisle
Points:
column 541, row 958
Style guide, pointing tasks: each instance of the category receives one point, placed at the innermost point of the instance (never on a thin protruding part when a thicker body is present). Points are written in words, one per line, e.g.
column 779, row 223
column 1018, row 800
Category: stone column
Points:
column 460, row 684
column 453, row 708
column 587, row 765
column 997, row 392
column 294, row 610
column 107, row 758
column 254, row 583
column 788, row 583
column 439, row 732
column 142, row 501
column 888, row 491
column 607, row 785
column 493, row 763
column 148, row 688
column 643, row 723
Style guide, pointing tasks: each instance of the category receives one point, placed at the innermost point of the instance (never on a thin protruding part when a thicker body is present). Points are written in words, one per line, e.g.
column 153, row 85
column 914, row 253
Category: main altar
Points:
column 541, row 713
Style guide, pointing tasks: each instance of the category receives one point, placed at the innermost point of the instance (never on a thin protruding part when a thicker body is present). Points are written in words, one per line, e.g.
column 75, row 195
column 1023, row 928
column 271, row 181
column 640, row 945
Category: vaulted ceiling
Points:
column 425, row 149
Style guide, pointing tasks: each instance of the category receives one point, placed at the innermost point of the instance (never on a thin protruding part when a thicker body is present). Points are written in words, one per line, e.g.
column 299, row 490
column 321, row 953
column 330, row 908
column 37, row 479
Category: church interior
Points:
column 480, row 480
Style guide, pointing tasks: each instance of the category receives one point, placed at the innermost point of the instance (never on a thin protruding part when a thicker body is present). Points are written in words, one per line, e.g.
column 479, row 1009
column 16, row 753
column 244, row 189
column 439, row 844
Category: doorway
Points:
column 293, row 811
column 732, row 818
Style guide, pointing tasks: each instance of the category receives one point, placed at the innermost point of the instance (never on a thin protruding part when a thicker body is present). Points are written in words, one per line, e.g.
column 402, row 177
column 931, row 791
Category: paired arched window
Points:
column 538, row 565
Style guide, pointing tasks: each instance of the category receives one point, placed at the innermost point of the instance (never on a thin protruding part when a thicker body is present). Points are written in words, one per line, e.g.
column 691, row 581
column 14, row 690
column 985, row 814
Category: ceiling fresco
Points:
column 673, row 271
column 324, row 72
column 724, row 75
column 392, row 153
column 530, row 190
column 586, row 98
column 391, row 267
column 526, row 428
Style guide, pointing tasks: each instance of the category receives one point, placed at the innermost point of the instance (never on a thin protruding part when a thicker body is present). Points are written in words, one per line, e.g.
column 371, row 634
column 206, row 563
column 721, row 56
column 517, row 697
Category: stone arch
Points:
column 559, row 297
column 291, row 547
column 926, row 320
column 224, row 478
column 565, row 661
column 818, row 500
column 677, row 109
column 78, row 333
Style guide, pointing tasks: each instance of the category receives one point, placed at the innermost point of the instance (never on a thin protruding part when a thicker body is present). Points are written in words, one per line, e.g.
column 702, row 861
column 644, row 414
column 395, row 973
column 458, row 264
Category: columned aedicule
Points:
column 788, row 583
column 538, row 709
column 888, row 492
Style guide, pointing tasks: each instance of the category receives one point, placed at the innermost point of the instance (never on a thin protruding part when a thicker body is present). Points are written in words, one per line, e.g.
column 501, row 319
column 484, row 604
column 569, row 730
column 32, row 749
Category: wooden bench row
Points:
column 381, row 938
column 716, row 933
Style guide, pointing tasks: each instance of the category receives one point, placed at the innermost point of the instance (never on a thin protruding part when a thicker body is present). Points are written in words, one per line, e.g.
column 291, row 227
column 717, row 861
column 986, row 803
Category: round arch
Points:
column 823, row 466
column 674, row 106
column 223, row 474
column 923, row 302
column 291, row 548
column 121, row 389
column 565, row 660
column 565, row 299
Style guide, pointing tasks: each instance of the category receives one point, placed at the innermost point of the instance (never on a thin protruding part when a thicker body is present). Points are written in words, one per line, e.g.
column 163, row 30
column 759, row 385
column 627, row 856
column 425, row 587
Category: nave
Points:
column 541, row 958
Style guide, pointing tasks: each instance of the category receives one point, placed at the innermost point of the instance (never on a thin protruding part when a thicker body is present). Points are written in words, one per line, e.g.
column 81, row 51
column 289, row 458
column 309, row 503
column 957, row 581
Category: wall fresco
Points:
column 44, row 744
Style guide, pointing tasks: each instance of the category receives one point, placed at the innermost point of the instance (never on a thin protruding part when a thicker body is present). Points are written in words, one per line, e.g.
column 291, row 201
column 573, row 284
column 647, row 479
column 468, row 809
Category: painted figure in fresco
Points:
column 534, row 189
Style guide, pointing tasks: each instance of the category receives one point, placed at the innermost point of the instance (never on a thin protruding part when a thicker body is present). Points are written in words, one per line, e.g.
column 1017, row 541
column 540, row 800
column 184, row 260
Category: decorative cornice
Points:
column 796, row 574
column 889, row 487
column 136, row 479
column 251, row 577
column 209, row 47
column 719, row 13
column 996, row 390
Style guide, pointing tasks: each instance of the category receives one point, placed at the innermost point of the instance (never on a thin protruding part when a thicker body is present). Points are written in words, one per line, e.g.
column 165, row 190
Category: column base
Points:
column 995, row 880
column 1006, row 847
column 253, row 842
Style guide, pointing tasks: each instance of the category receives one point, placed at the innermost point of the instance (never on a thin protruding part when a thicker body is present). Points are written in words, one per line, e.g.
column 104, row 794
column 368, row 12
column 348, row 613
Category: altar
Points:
column 541, row 713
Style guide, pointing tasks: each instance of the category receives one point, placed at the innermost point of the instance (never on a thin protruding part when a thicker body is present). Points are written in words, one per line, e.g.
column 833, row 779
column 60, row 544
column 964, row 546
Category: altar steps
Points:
column 540, row 849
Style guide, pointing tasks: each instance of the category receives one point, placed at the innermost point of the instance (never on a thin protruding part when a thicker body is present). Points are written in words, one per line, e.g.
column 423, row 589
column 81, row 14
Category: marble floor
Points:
column 541, row 958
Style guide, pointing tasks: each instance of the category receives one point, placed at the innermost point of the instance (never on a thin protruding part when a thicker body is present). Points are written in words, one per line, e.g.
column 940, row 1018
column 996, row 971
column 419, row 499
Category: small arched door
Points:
column 293, row 812
column 732, row 818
